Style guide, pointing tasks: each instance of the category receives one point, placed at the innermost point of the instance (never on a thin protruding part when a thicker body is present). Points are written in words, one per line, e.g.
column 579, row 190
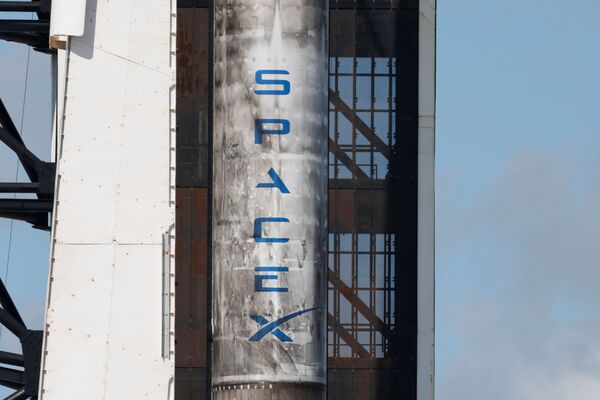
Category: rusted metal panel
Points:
column 191, row 383
column 374, row 4
column 361, row 363
column 194, row 3
column 349, row 382
column 191, row 323
column 360, row 210
column 373, row 32
column 192, row 97
column 340, row 384
column 192, row 257
column 192, row 54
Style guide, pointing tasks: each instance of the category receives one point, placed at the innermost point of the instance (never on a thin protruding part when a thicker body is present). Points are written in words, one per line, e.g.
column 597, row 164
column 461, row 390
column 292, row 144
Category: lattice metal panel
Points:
column 364, row 265
column 361, row 116
column 373, row 200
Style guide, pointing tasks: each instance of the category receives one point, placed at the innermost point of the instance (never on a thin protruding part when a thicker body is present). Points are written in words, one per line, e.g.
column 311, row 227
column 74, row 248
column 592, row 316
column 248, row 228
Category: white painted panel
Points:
column 426, row 217
column 77, row 320
column 134, row 349
column 143, row 171
column 122, row 168
column 160, row 33
column 153, row 27
column 114, row 201
column 104, row 14
column 89, row 165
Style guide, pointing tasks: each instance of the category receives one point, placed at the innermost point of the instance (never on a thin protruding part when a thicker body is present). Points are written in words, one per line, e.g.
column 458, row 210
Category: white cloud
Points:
column 518, row 275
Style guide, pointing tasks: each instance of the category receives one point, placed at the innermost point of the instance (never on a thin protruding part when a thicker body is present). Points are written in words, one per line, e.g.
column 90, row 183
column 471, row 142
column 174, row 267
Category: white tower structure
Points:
column 109, row 311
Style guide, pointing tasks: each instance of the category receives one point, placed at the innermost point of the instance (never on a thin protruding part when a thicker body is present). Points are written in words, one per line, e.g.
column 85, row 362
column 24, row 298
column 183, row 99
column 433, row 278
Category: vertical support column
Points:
column 108, row 327
column 269, row 198
column 426, row 217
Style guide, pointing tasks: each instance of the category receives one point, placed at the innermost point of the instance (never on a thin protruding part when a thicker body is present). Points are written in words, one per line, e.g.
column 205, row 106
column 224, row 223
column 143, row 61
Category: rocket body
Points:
column 270, row 198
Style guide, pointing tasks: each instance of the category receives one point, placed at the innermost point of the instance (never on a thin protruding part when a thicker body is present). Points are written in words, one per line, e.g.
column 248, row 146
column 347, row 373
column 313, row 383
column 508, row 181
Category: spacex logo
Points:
column 267, row 278
column 273, row 327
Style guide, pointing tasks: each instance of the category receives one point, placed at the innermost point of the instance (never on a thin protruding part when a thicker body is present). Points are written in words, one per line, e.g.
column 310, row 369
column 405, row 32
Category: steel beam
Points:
column 20, row 6
column 30, row 161
column 39, row 220
column 20, row 25
column 364, row 363
column 41, row 174
column 13, row 325
column 347, row 161
column 347, row 337
column 25, row 205
column 10, row 187
column 8, row 305
column 359, row 124
column 18, row 395
column 14, row 140
column 36, row 40
column 7, row 122
column 356, row 302
column 12, row 359
column 12, row 377
column 33, row 211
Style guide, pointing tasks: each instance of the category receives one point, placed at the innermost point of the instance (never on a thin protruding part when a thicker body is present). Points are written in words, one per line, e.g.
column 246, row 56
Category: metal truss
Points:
column 34, row 33
column 25, row 379
column 25, row 375
column 21, row 372
column 41, row 174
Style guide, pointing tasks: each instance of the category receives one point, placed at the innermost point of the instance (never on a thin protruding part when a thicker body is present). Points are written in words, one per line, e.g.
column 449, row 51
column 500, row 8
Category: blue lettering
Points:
column 258, row 279
column 258, row 230
column 270, row 328
column 259, row 129
column 260, row 80
column 271, row 269
column 277, row 182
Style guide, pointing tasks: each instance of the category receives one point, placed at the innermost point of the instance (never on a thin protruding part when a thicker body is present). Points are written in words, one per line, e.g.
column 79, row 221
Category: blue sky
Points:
column 28, row 261
column 25, row 267
column 518, row 194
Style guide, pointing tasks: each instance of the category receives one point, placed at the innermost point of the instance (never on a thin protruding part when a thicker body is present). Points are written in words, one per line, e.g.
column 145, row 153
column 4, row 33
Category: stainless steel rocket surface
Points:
column 270, row 198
